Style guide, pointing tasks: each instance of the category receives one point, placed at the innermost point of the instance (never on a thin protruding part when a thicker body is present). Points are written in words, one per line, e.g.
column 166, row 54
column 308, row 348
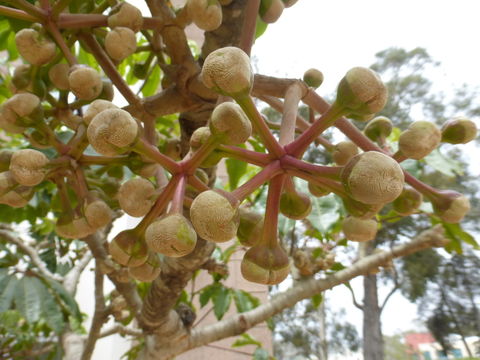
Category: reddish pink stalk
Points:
column 270, row 225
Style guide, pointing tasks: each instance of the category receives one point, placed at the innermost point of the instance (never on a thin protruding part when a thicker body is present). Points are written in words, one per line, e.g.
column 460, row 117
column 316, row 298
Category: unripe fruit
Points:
column 21, row 76
column 378, row 128
column 120, row 43
column 419, row 140
column 250, row 227
column 97, row 213
column 271, row 10
column 361, row 92
column 8, row 121
column 128, row 249
column 343, row 152
column 34, row 47
column 206, row 14
column 265, row 265
column 361, row 210
column 295, row 205
column 5, row 158
column 229, row 122
column 459, row 130
column 199, row 137
column 126, row 15
column 86, row 83
column 356, row 229
column 373, row 178
column 58, row 75
column 317, row 190
column 408, row 202
column 25, row 109
column 7, row 182
column 107, row 90
column 228, row 72
column 214, row 217
column 112, row 132
column 313, row 78
column 95, row 108
column 18, row 197
column 76, row 228
column 28, row 167
column 136, row 197
column 451, row 206
column 172, row 235
column 148, row 271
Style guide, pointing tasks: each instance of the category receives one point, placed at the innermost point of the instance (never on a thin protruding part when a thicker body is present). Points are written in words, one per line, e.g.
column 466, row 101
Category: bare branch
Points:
column 354, row 299
column 73, row 276
column 122, row 330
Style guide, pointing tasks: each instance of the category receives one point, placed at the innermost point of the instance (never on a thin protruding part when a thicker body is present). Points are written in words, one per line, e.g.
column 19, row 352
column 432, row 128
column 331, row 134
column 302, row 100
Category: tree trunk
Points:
column 372, row 328
column 322, row 332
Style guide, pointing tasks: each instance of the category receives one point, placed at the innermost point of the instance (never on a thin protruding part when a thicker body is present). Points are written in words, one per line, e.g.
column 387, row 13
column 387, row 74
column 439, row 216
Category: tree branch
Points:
column 122, row 330
column 354, row 299
column 71, row 279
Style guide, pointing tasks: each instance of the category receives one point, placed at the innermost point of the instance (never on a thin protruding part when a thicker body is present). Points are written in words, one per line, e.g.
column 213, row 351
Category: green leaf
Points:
column 235, row 169
column 152, row 82
column 244, row 340
column 52, row 312
column 206, row 294
column 260, row 354
column 457, row 235
column 27, row 299
column 317, row 300
column 261, row 27
column 244, row 301
column 221, row 301
column 441, row 163
column 8, row 285
column 69, row 302
column 325, row 212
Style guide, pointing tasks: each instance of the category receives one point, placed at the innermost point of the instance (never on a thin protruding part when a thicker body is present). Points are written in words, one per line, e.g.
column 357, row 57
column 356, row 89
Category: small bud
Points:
column 250, row 227
column 378, row 128
column 228, row 72
column 112, row 132
column 361, row 92
column 271, row 10
column 28, row 167
column 373, row 178
column 95, row 108
column 229, row 122
column 107, row 90
column 127, row 15
column 343, row 152
column 136, row 197
column 34, row 47
column 265, row 265
column 356, row 229
column 58, row 75
column 317, row 190
column 408, row 202
column 199, row 137
column 128, row 249
column 148, row 271
column 206, row 14
column 120, row 43
column 419, row 140
column 172, row 147
column 450, row 206
column 85, row 82
column 214, row 217
column 172, row 235
column 459, row 130
column 295, row 205
column 313, row 78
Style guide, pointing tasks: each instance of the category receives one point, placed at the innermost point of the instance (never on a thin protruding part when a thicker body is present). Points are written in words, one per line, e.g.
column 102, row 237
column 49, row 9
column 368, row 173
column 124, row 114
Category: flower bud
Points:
column 136, row 197
column 361, row 92
column 450, row 206
column 265, row 265
column 313, row 78
column 58, row 75
column 112, row 132
column 378, row 128
column 172, row 235
column 228, row 71
column 356, row 229
column 229, row 122
column 34, row 47
column 419, row 140
column 85, row 82
column 408, row 202
column 127, row 15
column 214, row 217
column 250, row 227
column 206, row 14
column 343, row 152
column 295, row 205
column 317, row 190
column 28, row 167
column 148, row 271
column 271, row 10
column 120, row 43
column 128, row 249
column 95, row 108
column 199, row 137
column 459, row 130
column 373, row 178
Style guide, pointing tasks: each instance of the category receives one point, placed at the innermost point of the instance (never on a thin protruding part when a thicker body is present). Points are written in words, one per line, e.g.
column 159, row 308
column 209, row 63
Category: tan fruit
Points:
column 128, row 249
column 459, row 130
column 228, row 72
column 214, row 217
column 8, row 121
column 206, row 14
column 265, row 265
column 136, row 197
column 73, row 228
column 229, row 122
column 120, row 43
column 28, row 167
column 317, row 190
column 98, row 213
column 58, row 75
column 112, row 132
column 148, row 271
column 451, row 206
column 356, row 229
column 295, row 205
column 34, row 47
column 18, row 197
column 250, row 227
column 419, row 140
column 23, row 109
column 343, row 152
column 21, row 78
column 373, row 178
column 271, row 10
column 378, row 128
column 127, row 15
column 200, row 137
column 95, row 108
column 361, row 210
column 172, row 235
column 408, row 202
column 313, row 78
column 86, row 83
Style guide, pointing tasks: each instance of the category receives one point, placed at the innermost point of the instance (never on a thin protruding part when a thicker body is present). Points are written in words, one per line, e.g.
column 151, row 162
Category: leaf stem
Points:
column 267, row 173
